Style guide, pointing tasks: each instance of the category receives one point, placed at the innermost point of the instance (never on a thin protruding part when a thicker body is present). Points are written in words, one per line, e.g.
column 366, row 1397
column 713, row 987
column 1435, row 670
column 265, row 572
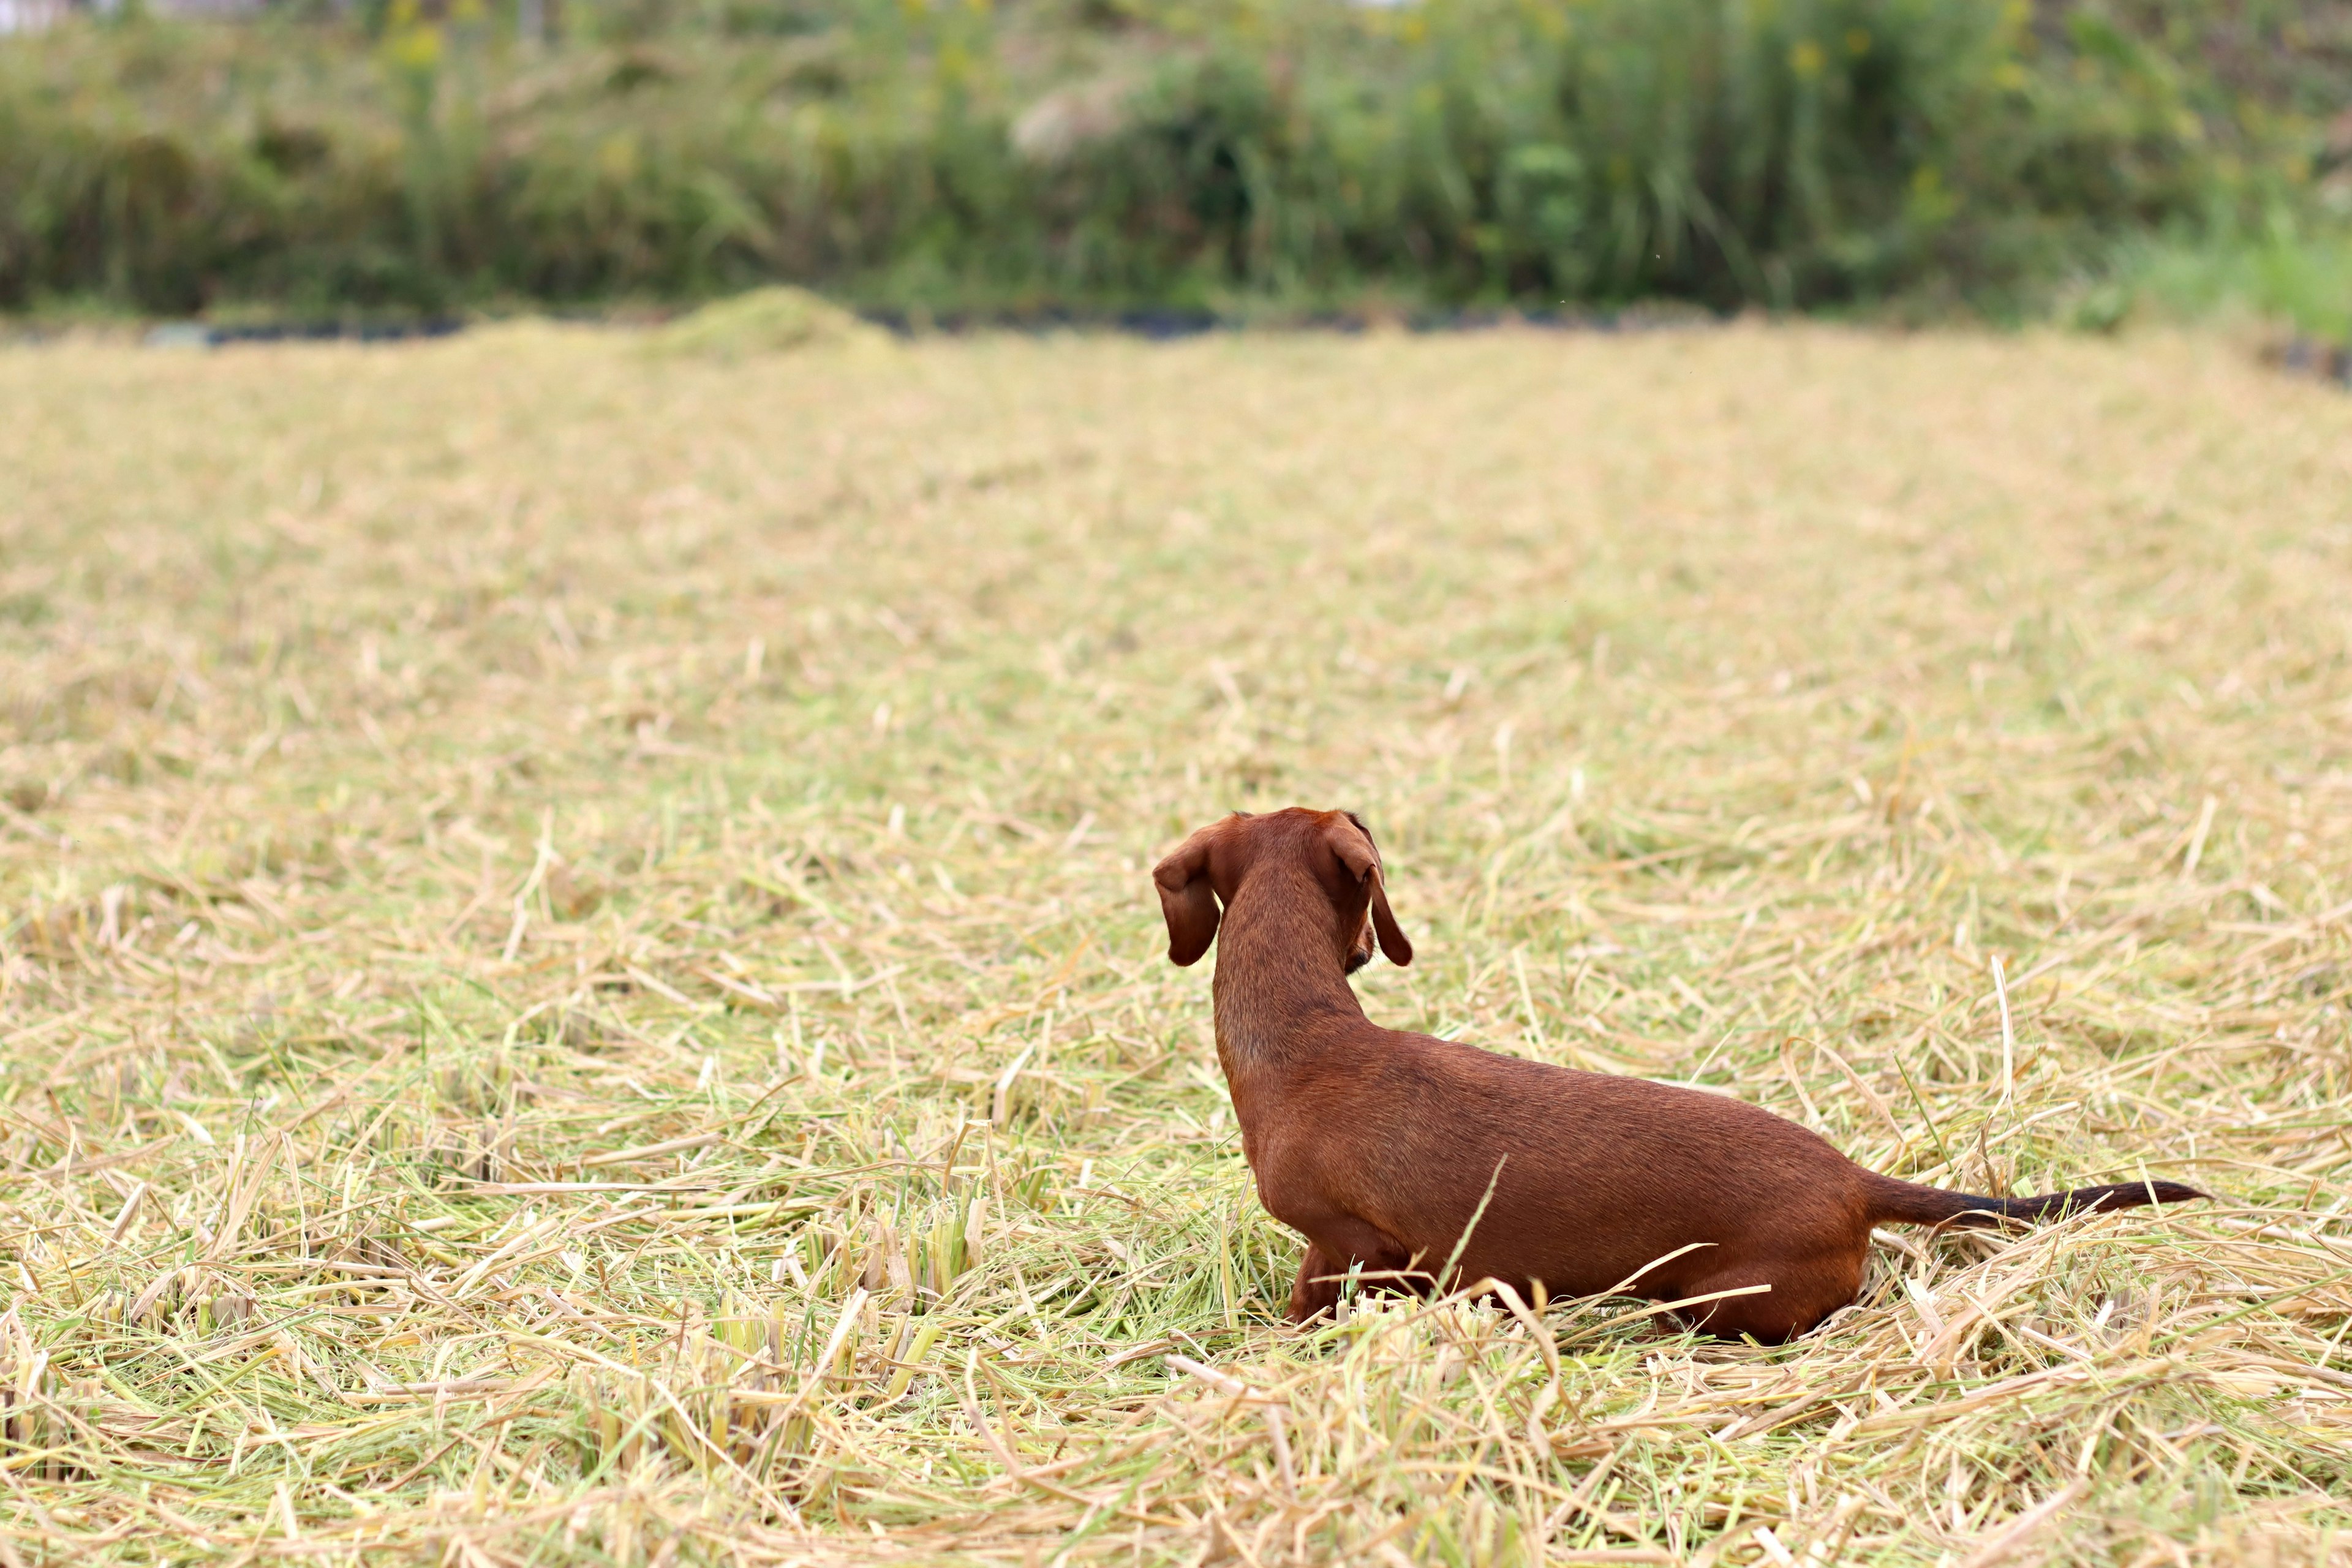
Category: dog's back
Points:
column 1593, row 1178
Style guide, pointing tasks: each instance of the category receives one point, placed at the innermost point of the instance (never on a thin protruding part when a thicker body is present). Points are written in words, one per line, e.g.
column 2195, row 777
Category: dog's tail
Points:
column 1914, row 1204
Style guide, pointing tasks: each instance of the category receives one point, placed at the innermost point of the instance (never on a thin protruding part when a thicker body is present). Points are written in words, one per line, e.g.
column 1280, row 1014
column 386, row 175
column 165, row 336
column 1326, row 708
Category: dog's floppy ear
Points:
column 1352, row 843
column 1187, row 898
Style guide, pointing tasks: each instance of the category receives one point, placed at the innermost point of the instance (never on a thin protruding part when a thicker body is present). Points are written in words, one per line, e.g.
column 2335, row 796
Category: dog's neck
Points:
column 1279, row 976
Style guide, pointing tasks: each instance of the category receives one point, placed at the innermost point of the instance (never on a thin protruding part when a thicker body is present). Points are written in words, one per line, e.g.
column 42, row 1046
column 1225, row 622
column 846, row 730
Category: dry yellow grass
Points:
column 579, row 985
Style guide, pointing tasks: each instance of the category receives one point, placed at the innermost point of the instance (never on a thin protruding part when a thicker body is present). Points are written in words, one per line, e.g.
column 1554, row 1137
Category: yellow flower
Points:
column 417, row 48
column 1806, row 59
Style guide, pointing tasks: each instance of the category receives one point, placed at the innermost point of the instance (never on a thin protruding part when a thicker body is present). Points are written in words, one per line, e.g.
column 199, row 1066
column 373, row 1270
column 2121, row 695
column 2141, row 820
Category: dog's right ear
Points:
column 1361, row 857
column 1188, row 898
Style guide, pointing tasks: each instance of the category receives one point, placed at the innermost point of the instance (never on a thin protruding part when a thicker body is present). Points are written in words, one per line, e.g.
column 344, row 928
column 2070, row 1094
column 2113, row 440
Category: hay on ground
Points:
column 579, row 985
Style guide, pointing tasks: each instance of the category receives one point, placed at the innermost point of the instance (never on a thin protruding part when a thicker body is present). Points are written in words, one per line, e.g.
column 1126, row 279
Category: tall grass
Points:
column 1459, row 152
column 2300, row 281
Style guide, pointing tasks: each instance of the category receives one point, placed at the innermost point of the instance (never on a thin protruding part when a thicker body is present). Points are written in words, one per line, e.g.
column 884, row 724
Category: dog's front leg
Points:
column 1317, row 1291
column 1332, row 1249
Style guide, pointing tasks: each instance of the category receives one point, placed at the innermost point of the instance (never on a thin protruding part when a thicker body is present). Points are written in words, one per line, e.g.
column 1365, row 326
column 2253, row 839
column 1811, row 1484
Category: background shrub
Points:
column 1098, row 154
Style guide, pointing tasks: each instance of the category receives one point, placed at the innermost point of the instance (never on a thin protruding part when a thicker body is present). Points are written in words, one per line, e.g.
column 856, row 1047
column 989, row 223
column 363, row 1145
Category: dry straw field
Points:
column 580, row 984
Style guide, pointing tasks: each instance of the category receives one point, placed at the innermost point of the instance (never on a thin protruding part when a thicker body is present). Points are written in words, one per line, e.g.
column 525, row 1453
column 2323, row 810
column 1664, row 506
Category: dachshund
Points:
column 1391, row 1151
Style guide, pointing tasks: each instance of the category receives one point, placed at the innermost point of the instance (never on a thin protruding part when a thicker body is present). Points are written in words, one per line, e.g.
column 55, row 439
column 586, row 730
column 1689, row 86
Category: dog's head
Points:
column 1333, row 848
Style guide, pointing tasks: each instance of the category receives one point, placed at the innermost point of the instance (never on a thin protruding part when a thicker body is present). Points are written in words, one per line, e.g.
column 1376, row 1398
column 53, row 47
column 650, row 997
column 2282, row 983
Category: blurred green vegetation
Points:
column 960, row 156
column 2288, row 276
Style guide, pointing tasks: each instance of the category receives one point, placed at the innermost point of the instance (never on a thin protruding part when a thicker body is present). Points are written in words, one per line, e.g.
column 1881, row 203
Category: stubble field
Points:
column 580, row 984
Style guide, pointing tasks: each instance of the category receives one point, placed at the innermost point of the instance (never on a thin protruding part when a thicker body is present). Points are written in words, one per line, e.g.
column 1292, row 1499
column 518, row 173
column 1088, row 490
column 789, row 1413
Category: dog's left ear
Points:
column 1188, row 899
column 1351, row 841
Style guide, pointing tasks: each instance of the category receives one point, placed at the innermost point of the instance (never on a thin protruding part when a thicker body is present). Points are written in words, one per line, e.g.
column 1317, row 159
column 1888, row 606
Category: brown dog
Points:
column 1400, row 1154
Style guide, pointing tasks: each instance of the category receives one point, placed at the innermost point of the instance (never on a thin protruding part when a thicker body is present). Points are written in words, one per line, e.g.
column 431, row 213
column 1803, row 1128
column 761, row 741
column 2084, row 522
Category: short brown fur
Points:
column 1379, row 1146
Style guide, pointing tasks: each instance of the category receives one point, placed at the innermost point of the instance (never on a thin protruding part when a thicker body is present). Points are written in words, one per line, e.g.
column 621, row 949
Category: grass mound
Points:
column 579, row 983
column 774, row 319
